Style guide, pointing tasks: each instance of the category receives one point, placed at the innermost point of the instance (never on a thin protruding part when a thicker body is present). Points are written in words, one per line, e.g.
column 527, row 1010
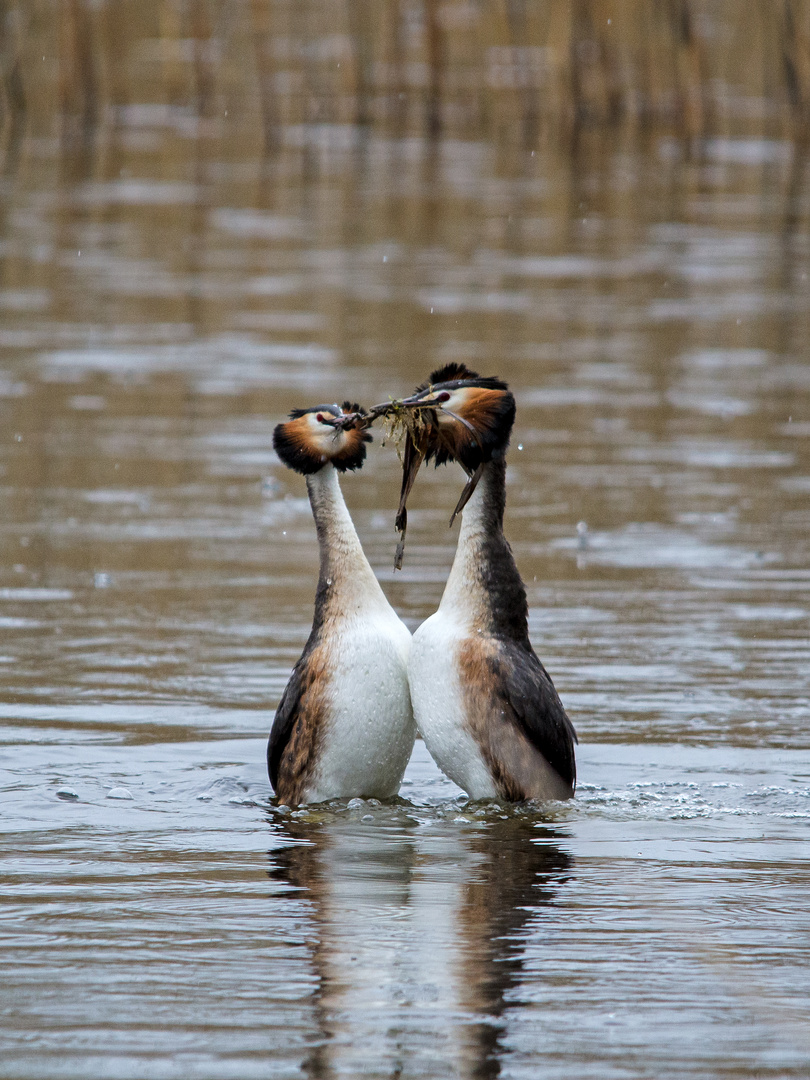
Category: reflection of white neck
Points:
column 344, row 565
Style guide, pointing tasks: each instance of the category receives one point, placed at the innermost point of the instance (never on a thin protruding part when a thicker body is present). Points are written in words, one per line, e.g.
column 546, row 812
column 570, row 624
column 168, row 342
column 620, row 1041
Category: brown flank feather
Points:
column 518, row 767
column 293, row 768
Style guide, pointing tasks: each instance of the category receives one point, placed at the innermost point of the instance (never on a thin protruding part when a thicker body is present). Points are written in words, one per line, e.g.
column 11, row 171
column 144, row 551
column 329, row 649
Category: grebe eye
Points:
column 319, row 417
column 443, row 396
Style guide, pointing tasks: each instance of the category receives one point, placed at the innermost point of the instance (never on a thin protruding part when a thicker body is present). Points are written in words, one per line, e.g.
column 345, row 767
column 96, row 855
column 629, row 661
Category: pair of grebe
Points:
column 468, row 680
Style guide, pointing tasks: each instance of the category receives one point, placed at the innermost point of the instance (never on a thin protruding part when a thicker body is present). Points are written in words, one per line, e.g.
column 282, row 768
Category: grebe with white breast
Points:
column 344, row 726
column 484, row 704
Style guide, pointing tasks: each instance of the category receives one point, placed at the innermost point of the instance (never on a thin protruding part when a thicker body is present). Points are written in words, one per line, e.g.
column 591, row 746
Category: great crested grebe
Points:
column 344, row 726
column 484, row 704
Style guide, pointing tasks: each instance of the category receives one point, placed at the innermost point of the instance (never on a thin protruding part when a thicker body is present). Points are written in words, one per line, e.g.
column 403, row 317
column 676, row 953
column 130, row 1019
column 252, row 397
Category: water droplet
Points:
column 67, row 795
column 520, row 446
column 101, row 581
column 119, row 793
column 328, row 581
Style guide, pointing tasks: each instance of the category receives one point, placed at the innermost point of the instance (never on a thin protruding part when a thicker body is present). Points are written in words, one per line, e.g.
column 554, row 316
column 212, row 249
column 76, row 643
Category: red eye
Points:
column 443, row 396
column 319, row 418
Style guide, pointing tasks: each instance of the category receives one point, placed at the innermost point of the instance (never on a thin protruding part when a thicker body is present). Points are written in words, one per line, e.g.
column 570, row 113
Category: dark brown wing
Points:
column 526, row 690
column 286, row 715
column 294, row 737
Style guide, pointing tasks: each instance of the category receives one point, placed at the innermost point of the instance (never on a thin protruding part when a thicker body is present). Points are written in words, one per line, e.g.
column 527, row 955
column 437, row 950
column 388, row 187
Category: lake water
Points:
column 168, row 291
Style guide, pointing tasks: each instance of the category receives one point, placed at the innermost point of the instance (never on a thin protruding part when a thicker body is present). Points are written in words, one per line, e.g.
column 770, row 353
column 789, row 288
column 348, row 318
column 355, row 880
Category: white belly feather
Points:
column 369, row 738
column 438, row 705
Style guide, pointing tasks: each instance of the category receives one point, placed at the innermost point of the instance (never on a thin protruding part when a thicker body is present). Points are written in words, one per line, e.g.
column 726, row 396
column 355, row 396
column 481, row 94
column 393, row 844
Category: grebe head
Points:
column 460, row 416
column 470, row 416
column 325, row 434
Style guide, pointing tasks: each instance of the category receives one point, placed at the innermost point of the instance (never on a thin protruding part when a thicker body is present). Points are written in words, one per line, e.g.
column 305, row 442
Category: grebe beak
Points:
column 412, row 462
column 414, row 454
column 417, row 401
column 412, row 457
column 345, row 422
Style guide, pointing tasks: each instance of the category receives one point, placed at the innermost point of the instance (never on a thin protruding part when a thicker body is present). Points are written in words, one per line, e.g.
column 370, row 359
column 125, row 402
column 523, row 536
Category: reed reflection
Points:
column 418, row 932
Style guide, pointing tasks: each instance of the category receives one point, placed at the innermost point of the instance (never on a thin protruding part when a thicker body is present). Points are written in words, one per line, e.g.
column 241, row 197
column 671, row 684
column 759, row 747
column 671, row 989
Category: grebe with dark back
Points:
column 484, row 704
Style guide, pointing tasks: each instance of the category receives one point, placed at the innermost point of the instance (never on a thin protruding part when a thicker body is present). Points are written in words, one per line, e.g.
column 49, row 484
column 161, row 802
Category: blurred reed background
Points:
column 519, row 71
column 211, row 213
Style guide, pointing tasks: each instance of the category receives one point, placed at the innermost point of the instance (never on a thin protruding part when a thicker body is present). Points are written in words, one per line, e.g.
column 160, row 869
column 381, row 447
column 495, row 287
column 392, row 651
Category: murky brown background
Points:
column 210, row 214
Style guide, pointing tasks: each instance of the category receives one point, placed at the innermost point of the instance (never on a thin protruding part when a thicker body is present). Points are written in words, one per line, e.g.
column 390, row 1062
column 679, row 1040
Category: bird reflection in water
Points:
column 419, row 928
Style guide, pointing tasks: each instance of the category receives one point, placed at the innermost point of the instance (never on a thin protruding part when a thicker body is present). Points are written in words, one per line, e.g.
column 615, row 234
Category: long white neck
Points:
column 484, row 589
column 461, row 593
column 345, row 574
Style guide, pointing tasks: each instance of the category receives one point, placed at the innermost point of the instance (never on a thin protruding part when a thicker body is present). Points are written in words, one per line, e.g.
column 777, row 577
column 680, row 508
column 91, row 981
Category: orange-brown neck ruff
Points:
column 306, row 446
column 473, row 427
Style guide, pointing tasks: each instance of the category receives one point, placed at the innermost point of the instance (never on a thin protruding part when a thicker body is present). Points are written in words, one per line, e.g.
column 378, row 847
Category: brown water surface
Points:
column 167, row 294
